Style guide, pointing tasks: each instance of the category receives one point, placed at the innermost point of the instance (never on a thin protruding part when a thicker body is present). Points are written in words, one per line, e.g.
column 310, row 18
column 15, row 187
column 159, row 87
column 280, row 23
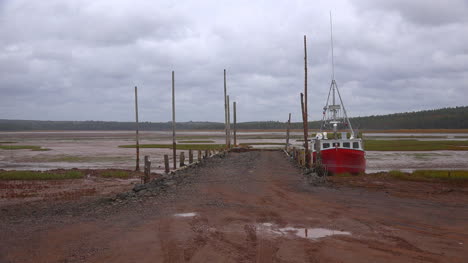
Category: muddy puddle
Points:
column 309, row 233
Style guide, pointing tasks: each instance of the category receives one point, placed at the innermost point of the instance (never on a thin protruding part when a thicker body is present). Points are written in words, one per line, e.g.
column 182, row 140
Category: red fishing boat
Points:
column 339, row 150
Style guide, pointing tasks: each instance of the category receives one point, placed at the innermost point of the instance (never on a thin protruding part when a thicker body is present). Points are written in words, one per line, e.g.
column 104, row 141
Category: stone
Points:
column 139, row 187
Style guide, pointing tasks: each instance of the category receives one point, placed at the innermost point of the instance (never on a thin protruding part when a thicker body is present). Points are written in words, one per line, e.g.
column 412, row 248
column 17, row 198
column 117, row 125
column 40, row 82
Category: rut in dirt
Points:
column 247, row 207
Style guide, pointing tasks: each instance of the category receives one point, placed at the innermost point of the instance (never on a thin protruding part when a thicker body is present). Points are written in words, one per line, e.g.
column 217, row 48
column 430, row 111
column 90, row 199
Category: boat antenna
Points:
column 331, row 41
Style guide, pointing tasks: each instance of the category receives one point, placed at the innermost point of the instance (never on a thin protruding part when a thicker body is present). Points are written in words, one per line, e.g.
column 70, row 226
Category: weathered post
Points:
column 206, row 154
column 235, row 125
column 190, row 156
column 182, row 159
column 137, row 138
column 199, row 155
column 147, row 169
column 225, row 110
column 166, row 163
column 174, row 146
column 287, row 132
column 229, row 123
column 305, row 116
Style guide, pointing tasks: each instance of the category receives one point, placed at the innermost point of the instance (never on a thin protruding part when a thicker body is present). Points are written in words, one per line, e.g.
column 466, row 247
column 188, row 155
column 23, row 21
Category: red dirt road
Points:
column 248, row 207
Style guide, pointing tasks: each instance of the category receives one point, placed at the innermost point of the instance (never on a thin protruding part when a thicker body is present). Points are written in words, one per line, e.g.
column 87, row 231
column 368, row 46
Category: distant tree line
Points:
column 445, row 118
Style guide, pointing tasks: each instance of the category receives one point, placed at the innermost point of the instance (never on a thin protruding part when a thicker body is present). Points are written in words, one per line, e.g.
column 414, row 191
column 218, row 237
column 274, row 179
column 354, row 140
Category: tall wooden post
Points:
column 235, row 125
column 182, row 159
column 166, row 163
column 147, row 169
column 225, row 110
column 190, row 154
column 173, row 123
column 287, row 132
column 229, row 122
column 305, row 113
column 137, row 136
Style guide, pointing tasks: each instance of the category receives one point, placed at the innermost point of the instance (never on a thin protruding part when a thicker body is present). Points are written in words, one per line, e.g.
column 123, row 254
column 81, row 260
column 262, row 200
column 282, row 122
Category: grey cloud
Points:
column 79, row 60
column 433, row 13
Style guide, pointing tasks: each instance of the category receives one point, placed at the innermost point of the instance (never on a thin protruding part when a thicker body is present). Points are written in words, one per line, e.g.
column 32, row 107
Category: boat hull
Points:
column 339, row 160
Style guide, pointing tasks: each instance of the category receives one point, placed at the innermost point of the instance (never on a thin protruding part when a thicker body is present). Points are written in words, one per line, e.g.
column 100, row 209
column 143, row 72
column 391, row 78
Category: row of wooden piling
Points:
column 299, row 155
column 201, row 155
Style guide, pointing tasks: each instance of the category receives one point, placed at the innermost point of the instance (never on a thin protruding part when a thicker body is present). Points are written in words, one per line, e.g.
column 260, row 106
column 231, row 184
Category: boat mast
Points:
column 334, row 109
column 333, row 65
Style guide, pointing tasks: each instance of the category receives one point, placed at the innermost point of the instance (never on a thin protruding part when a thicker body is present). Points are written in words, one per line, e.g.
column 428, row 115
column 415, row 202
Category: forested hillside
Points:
column 446, row 118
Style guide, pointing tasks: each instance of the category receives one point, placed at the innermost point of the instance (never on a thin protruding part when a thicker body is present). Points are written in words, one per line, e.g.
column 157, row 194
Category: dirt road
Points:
column 247, row 207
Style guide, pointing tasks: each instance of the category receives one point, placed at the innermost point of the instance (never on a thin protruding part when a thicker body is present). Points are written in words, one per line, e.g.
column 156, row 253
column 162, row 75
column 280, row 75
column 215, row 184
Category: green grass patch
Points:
column 23, row 147
column 428, row 175
column 198, row 137
column 262, row 143
column 115, row 174
column 441, row 174
column 207, row 141
column 37, row 175
column 179, row 146
column 77, row 159
column 414, row 145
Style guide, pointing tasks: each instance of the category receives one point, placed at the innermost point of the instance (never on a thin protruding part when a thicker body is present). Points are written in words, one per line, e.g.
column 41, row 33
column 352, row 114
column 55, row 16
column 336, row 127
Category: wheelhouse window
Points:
column 356, row 145
column 336, row 144
column 325, row 145
column 346, row 145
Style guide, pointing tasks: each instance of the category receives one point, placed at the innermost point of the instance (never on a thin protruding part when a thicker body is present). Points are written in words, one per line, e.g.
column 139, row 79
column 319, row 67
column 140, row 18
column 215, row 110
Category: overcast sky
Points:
column 80, row 59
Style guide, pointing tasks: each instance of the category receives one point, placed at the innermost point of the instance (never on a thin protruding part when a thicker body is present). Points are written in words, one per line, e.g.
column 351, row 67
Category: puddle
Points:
column 310, row 233
column 185, row 214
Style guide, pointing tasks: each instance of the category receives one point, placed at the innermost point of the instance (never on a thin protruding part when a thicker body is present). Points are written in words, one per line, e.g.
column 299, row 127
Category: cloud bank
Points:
column 79, row 60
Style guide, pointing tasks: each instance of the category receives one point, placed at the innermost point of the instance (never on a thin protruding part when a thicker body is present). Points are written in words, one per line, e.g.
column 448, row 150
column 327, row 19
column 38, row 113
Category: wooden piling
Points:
column 305, row 114
column 147, row 169
column 235, row 125
column 190, row 156
column 166, row 163
column 225, row 110
column 182, row 159
column 137, row 136
column 199, row 155
column 287, row 132
column 174, row 146
column 207, row 154
column 229, row 123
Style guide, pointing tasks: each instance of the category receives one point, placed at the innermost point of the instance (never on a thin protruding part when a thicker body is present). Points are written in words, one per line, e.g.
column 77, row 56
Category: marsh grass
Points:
column 38, row 175
column 414, row 145
column 23, row 147
column 262, row 143
column 428, row 175
column 206, row 141
column 115, row 174
column 179, row 146
column 77, row 159
column 6, row 142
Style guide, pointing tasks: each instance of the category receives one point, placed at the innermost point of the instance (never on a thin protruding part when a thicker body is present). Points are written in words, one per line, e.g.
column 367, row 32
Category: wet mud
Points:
column 246, row 207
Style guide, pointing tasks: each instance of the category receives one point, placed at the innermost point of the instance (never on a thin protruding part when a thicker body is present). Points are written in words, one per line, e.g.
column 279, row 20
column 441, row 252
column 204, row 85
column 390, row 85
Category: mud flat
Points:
column 100, row 149
column 246, row 207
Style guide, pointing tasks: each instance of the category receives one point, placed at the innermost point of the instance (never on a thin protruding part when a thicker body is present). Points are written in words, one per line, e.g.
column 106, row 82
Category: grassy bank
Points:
column 420, row 175
column 414, row 145
column 23, row 147
column 179, row 146
column 37, row 175
column 424, row 175
column 115, row 174
column 206, row 141
column 262, row 143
